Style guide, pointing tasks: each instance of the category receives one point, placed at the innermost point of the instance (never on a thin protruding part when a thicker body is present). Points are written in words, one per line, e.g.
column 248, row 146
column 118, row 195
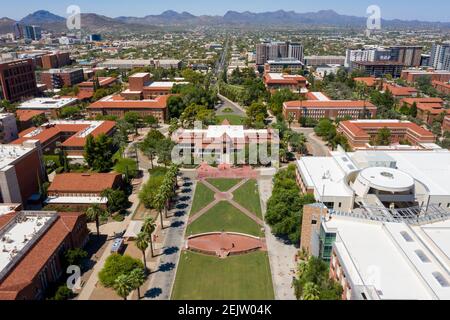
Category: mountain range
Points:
column 98, row 23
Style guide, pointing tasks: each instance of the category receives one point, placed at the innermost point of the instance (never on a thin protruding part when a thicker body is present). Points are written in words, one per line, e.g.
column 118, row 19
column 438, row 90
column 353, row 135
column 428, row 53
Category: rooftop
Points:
column 78, row 129
column 119, row 102
column 9, row 153
column 18, row 236
column 403, row 263
column 83, row 182
column 329, row 104
column 47, row 103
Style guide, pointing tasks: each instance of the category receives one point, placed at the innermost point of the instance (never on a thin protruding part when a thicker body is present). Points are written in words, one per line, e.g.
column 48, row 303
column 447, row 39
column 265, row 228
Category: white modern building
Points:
column 380, row 260
column 51, row 106
column 378, row 179
column 8, row 128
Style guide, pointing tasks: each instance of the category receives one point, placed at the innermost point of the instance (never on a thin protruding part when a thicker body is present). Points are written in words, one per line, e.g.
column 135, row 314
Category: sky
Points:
column 430, row 10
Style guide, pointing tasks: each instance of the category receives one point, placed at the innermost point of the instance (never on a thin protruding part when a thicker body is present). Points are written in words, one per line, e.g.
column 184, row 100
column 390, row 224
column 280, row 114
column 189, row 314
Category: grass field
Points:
column 224, row 217
column 201, row 277
column 223, row 184
column 203, row 196
column 248, row 197
column 233, row 119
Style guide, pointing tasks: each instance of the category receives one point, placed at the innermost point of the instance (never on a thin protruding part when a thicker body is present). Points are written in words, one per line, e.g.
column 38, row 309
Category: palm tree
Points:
column 123, row 286
column 93, row 213
column 159, row 203
column 166, row 190
column 137, row 278
column 142, row 244
column 148, row 228
column 310, row 292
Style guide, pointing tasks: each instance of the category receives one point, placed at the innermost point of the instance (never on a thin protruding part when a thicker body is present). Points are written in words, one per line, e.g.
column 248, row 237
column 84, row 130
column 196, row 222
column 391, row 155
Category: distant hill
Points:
column 6, row 25
column 97, row 23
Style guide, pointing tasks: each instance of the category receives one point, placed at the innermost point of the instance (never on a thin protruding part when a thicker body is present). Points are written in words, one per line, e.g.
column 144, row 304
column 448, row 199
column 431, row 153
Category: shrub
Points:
column 115, row 266
column 63, row 293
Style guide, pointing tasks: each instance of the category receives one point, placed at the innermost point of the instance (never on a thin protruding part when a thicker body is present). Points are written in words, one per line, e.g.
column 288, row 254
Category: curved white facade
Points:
column 382, row 179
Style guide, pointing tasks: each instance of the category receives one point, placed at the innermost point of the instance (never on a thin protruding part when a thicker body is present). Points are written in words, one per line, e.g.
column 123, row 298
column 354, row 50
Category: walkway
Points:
column 110, row 230
column 281, row 255
column 225, row 196
column 161, row 282
column 316, row 146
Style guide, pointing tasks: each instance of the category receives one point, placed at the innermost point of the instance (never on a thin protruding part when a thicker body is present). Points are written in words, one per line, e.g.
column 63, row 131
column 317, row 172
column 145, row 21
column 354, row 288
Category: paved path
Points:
column 281, row 255
column 161, row 282
column 245, row 211
column 109, row 229
column 316, row 146
column 232, row 104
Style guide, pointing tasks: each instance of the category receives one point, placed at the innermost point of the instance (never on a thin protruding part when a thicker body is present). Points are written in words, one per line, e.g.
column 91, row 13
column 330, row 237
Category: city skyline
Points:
column 390, row 10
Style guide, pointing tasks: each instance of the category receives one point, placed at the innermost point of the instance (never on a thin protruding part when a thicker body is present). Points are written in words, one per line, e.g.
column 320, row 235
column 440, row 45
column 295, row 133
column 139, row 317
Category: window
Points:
column 422, row 256
column 440, row 278
column 406, row 236
column 314, row 222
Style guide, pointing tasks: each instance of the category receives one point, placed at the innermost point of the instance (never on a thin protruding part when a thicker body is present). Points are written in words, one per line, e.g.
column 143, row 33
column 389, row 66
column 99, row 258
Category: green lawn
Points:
column 233, row 119
column 248, row 197
column 224, row 217
column 201, row 277
column 203, row 196
column 223, row 184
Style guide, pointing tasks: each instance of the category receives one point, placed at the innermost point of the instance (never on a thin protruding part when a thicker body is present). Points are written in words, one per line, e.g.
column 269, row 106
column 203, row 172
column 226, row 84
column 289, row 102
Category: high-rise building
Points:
column 17, row 79
column 33, row 33
column 410, row 56
column 275, row 50
column 440, row 56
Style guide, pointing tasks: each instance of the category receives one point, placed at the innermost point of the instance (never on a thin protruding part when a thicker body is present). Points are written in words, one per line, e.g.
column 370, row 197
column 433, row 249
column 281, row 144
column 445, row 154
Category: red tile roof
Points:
column 368, row 81
column 400, row 91
column 329, row 104
column 26, row 115
column 287, row 79
column 83, row 182
column 51, row 132
column 358, row 128
column 158, row 103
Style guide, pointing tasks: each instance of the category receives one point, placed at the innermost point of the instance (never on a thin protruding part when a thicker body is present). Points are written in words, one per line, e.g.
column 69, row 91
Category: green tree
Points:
column 383, row 137
column 116, row 265
column 149, row 228
column 117, row 199
column 310, row 292
column 93, row 213
column 123, row 286
column 98, row 153
column 133, row 118
column 137, row 278
column 142, row 242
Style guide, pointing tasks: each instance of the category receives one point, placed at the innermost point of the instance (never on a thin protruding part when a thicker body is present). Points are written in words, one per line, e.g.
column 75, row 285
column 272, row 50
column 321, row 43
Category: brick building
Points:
column 442, row 87
column 446, row 124
column 70, row 136
column 87, row 88
column 360, row 133
column 428, row 109
column 25, row 118
column 56, row 60
column 81, row 189
column 141, row 87
column 50, row 106
column 332, row 109
column 400, row 92
column 33, row 245
column 17, row 80
column 412, row 75
column 277, row 81
column 59, row 78
column 21, row 171
column 118, row 106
